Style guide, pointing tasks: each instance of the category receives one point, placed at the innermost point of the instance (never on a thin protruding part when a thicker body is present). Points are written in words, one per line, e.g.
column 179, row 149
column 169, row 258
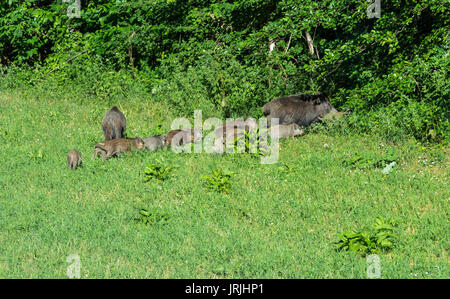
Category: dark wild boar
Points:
column 302, row 109
column 114, row 124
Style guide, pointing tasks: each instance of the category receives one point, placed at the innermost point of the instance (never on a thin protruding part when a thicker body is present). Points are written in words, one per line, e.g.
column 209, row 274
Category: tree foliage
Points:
column 231, row 57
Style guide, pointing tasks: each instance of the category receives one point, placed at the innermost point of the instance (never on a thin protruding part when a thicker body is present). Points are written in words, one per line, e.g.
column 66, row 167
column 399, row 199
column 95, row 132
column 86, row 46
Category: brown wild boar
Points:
column 180, row 137
column 302, row 109
column 114, row 124
column 287, row 131
column 74, row 159
column 109, row 148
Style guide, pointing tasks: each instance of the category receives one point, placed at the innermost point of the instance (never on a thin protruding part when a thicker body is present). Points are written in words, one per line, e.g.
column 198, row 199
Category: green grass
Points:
column 277, row 221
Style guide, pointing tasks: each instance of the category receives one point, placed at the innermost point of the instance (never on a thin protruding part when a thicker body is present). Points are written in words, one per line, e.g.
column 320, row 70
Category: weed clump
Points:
column 151, row 217
column 377, row 239
column 218, row 181
column 156, row 171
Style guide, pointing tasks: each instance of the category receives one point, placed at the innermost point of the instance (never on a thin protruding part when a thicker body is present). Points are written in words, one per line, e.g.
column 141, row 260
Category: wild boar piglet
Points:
column 74, row 159
column 109, row 148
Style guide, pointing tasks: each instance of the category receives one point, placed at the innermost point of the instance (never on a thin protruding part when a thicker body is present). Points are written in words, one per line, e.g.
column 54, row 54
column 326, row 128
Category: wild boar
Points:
column 302, row 109
column 109, row 148
column 154, row 143
column 114, row 124
column 74, row 159
column 182, row 136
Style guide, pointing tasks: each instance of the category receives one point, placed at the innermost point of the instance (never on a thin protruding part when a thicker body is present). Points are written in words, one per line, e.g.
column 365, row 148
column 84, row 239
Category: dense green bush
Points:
column 219, row 84
column 390, row 72
column 378, row 239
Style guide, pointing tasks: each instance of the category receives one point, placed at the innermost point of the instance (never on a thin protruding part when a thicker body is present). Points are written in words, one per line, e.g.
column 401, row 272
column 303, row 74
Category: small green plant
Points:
column 151, row 217
column 219, row 181
column 158, row 172
column 285, row 168
column 375, row 240
column 369, row 160
column 36, row 155
column 7, row 136
column 158, row 129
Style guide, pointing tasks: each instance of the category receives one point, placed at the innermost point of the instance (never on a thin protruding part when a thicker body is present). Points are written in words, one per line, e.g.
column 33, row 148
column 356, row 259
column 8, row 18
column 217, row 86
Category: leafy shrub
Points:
column 375, row 240
column 218, row 181
column 218, row 84
column 407, row 102
column 157, row 172
column 391, row 72
column 331, row 127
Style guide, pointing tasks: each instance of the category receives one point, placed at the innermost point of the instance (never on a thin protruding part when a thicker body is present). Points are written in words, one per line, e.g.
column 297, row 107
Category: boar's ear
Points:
column 317, row 101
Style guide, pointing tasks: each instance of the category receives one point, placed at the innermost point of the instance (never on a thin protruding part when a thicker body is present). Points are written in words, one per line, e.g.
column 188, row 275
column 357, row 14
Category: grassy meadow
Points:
column 277, row 221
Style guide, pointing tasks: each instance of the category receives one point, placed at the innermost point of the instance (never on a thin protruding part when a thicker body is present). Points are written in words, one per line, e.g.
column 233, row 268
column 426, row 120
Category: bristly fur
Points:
column 154, row 142
column 179, row 137
column 114, row 124
column 74, row 159
column 302, row 108
column 109, row 148
column 320, row 96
